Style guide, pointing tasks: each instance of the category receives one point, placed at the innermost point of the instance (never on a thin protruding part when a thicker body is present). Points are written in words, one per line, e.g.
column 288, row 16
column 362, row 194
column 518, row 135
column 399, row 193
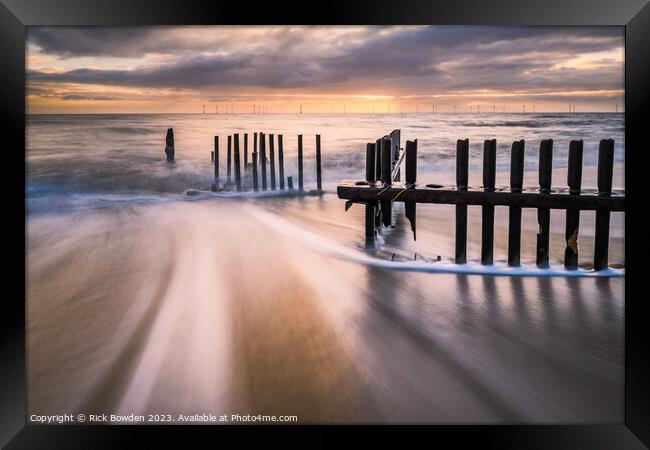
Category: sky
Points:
column 334, row 69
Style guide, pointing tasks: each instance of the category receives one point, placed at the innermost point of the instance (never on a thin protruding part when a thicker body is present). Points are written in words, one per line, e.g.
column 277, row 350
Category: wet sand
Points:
column 206, row 307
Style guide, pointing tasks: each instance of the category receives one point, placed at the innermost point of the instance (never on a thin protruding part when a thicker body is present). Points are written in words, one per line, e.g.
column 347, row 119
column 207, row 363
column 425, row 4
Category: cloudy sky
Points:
column 324, row 69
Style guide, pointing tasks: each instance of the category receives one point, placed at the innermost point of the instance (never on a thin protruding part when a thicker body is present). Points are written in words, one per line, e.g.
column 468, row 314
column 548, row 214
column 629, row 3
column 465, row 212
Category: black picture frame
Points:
column 634, row 432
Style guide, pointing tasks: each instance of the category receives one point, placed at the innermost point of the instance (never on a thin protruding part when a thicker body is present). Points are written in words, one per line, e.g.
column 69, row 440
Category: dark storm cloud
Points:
column 395, row 60
column 90, row 41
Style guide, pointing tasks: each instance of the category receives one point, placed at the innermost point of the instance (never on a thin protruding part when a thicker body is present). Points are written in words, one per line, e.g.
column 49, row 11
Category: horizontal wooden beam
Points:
column 451, row 196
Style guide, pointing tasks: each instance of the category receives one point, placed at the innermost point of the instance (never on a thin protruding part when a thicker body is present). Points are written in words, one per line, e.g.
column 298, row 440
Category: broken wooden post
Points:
column 462, row 170
column 605, row 172
column 386, row 179
column 263, row 159
column 487, row 223
column 169, row 145
column 411, row 161
column 272, row 159
column 574, row 181
column 229, row 163
column 237, row 164
column 255, row 182
column 216, row 162
column 544, row 214
column 281, row 161
column 514, row 212
column 290, row 182
column 319, row 180
column 300, row 180
column 371, row 208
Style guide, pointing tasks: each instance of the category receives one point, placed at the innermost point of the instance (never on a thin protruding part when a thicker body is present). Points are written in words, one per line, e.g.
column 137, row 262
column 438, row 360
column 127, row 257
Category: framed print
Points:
column 254, row 220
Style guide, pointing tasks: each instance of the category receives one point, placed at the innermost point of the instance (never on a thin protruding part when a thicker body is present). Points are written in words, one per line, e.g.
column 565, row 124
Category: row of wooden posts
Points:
column 377, row 192
column 258, row 163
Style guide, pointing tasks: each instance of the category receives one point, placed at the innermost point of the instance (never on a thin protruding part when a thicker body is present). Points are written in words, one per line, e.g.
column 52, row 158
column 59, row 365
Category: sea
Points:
column 147, row 293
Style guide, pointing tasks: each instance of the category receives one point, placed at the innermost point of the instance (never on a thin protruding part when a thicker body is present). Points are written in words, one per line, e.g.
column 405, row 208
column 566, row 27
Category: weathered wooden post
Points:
column 489, row 178
column 395, row 146
column 237, row 164
column 378, row 178
column 290, row 182
column 370, row 165
column 410, row 176
column 462, row 170
column 319, row 180
column 216, row 162
column 605, row 173
column 514, row 212
column 272, row 155
column 212, row 156
column 544, row 214
column 574, row 181
column 300, row 180
column 263, row 159
column 255, row 182
column 229, row 162
column 255, row 144
column 370, row 206
column 281, row 161
column 245, row 151
column 378, row 159
column 386, row 178
column 169, row 145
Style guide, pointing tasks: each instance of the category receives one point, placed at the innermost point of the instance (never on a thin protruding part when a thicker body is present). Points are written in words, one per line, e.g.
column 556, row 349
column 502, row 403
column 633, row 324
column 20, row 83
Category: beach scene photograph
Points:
column 325, row 225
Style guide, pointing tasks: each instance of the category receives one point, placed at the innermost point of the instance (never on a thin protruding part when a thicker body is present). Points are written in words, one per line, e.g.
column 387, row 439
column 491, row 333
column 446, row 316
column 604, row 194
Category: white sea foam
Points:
column 322, row 244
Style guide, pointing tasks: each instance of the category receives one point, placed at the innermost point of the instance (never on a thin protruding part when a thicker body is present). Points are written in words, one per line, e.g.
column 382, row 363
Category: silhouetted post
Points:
column 544, row 214
column 300, row 180
column 319, row 180
column 386, row 179
column 255, row 182
column 487, row 225
column 395, row 145
column 281, row 161
column 605, row 172
column 370, row 163
column 462, row 170
column 263, row 159
column 255, row 144
column 410, row 176
column 574, row 181
column 272, row 155
column 229, row 161
column 212, row 156
column 237, row 164
column 245, row 150
column 371, row 207
column 169, row 145
column 514, row 212
column 378, row 159
column 290, row 182
column 378, row 179
column 216, row 162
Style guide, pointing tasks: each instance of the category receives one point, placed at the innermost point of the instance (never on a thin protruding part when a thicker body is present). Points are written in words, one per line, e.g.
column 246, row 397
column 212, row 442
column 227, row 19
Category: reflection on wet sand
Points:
column 204, row 307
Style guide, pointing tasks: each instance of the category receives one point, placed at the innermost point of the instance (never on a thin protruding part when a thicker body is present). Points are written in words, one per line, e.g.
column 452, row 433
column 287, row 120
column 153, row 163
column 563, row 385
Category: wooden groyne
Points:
column 382, row 187
column 262, row 171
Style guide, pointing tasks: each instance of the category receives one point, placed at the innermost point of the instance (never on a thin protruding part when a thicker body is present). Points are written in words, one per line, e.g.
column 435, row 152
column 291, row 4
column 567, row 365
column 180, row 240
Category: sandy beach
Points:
column 216, row 306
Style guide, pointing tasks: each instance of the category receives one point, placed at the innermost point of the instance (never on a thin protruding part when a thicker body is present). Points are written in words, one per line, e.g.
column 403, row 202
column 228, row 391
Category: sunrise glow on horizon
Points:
column 351, row 69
